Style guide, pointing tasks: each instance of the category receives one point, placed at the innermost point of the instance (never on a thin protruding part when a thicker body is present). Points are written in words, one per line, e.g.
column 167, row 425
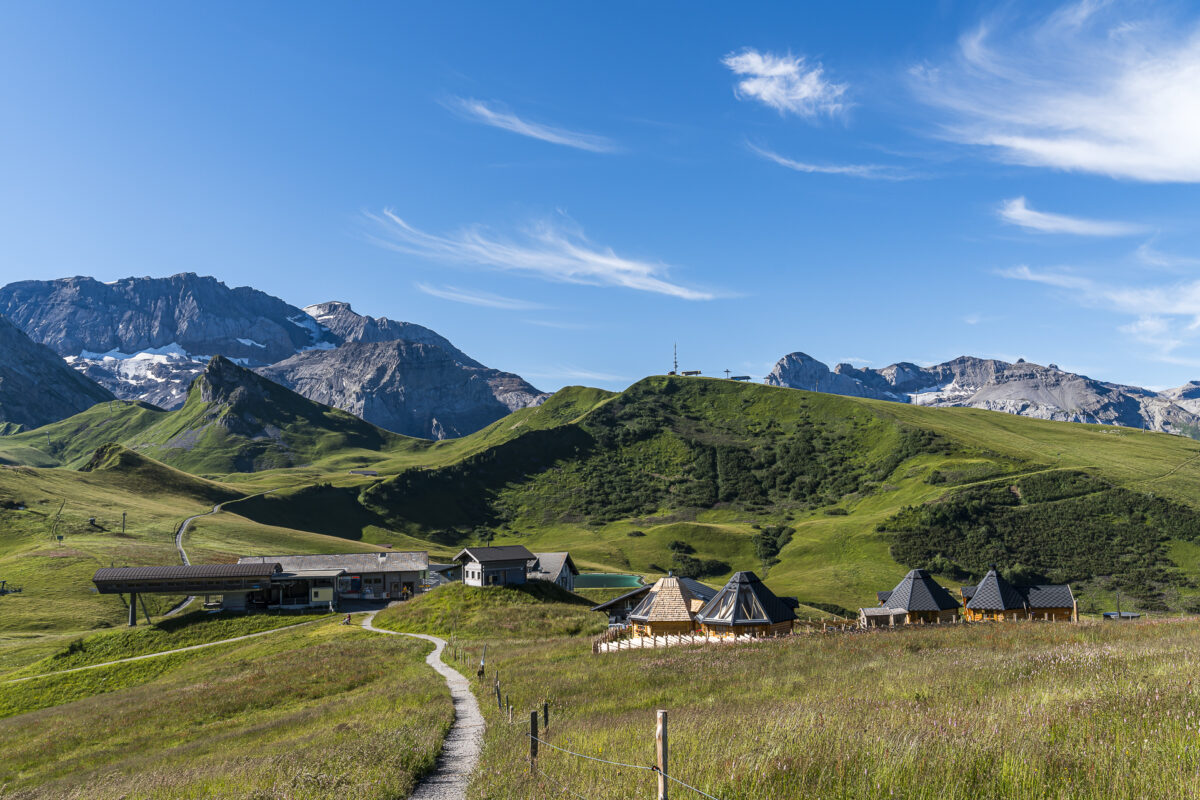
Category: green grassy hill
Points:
column 829, row 497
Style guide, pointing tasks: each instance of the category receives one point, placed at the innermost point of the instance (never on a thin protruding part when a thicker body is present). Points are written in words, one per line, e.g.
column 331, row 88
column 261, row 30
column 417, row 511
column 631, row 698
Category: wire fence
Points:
column 503, row 704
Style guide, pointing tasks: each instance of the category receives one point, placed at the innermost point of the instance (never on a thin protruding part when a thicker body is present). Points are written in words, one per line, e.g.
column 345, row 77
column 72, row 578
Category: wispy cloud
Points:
column 472, row 298
column 552, row 250
column 1087, row 88
column 873, row 171
column 563, row 326
column 785, row 83
column 1147, row 254
column 574, row 373
column 1018, row 212
column 1165, row 316
column 498, row 116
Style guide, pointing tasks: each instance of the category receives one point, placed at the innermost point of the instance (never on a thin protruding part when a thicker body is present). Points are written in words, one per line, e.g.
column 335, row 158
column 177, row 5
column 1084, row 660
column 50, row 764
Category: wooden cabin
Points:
column 997, row 599
column 619, row 608
column 919, row 599
column 669, row 608
column 746, row 607
column 503, row 565
column 553, row 567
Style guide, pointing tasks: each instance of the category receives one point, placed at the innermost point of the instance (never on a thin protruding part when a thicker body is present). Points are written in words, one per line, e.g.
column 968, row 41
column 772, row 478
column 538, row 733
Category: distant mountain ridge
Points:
column 1030, row 390
column 147, row 339
column 36, row 387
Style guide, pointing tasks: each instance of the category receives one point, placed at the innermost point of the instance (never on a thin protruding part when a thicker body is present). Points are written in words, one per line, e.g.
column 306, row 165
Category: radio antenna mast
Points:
column 676, row 346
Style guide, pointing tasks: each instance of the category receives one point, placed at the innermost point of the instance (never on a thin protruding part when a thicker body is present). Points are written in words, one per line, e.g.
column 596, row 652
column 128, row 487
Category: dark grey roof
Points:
column 745, row 600
column 508, row 552
column 548, row 566
column 883, row 596
column 1048, row 596
column 697, row 589
column 995, row 594
column 390, row 561
column 967, row 592
column 184, row 572
column 920, row 592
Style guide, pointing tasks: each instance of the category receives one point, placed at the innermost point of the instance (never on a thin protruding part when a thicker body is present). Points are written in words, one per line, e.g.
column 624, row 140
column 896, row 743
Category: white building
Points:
column 494, row 566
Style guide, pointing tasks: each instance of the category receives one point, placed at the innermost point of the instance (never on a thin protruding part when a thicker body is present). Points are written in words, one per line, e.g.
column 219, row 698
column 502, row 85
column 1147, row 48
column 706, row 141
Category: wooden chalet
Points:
column 997, row 599
column 504, row 565
column 917, row 599
column 553, row 567
column 746, row 607
column 619, row 608
column 668, row 609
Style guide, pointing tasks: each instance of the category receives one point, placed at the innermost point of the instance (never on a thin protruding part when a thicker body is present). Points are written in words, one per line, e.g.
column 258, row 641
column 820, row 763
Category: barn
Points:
column 746, row 607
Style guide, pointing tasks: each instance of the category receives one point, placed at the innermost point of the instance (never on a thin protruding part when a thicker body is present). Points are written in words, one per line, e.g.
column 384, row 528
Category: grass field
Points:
column 322, row 711
column 1002, row 711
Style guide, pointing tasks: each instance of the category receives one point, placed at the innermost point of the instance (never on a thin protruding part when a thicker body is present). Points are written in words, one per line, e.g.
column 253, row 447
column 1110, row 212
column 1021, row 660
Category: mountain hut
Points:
column 921, row 600
column 669, row 608
column 746, row 607
column 997, row 599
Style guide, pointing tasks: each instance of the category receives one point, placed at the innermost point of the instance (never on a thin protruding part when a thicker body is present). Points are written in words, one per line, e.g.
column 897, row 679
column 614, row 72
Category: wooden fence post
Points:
column 533, row 742
column 546, row 715
column 660, row 743
column 499, row 705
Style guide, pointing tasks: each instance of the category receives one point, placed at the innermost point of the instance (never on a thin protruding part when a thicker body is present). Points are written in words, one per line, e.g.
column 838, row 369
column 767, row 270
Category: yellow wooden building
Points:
column 669, row 608
column 746, row 607
column 994, row 598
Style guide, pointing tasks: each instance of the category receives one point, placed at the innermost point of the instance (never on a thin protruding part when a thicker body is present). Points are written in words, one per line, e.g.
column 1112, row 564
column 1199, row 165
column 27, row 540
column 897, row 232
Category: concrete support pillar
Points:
column 132, row 609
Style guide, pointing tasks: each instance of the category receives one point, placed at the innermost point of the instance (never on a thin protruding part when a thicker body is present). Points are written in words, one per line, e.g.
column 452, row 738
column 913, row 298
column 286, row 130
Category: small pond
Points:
column 607, row 580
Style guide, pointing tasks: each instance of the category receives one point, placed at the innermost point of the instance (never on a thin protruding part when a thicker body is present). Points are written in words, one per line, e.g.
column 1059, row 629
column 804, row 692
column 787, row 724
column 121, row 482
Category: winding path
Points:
column 160, row 653
column 187, row 601
column 460, row 750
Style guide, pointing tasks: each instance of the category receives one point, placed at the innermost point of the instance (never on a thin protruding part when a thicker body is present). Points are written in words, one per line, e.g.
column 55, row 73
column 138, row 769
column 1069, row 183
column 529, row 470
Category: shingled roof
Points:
column 745, row 600
column 1048, row 596
column 995, row 594
column 920, row 592
column 390, row 561
column 699, row 591
column 548, row 566
column 507, row 552
column 668, row 601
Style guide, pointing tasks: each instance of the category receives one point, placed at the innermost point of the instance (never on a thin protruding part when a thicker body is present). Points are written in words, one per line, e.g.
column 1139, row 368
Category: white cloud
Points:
column 499, row 117
column 574, row 373
column 1086, row 89
column 564, row 326
column 1165, row 316
column 1018, row 212
column 874, row 171
column 546, row 250
column 785, row 83
column 1152, row 257
column 477, row 298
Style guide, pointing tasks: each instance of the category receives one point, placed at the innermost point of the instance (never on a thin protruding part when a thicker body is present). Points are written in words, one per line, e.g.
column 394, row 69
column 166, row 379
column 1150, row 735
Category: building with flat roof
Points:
column 361, row 576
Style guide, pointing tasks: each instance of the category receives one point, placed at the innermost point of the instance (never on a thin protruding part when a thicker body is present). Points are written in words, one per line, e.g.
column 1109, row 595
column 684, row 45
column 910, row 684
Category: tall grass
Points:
column 320, row 712
column 1014, row 710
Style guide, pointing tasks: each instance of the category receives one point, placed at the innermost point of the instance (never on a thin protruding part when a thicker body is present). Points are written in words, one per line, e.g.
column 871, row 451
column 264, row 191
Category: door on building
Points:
column 394, row 589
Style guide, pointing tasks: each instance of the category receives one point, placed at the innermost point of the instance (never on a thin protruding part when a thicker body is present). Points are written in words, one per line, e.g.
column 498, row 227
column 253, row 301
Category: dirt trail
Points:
column 460, row 751
column 161, row 653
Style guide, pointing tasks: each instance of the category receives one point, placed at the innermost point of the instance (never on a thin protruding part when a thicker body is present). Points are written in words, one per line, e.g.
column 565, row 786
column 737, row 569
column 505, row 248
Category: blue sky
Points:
column 566, row 190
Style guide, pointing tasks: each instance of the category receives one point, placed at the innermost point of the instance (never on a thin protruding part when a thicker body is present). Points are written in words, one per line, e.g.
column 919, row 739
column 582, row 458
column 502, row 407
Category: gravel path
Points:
column 460, row 751
column 183, row 556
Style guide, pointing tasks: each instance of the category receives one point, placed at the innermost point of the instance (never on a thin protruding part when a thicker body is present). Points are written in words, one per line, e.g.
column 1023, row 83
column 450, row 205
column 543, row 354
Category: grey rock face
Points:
column 186, row 313
column 414, row 388
column 36, row 386
column 146, row 339
column 342, row 321
column 1031, row 390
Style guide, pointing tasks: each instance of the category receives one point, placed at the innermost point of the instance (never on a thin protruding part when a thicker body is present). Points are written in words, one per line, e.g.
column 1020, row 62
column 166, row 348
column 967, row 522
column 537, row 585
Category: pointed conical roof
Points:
column 669, row 600
column 995, row 594
column 745, row 600
column 920, row 592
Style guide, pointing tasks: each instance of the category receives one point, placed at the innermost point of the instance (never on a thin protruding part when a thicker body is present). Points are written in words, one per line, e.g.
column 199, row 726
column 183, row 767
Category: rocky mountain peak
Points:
column 349, row 326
